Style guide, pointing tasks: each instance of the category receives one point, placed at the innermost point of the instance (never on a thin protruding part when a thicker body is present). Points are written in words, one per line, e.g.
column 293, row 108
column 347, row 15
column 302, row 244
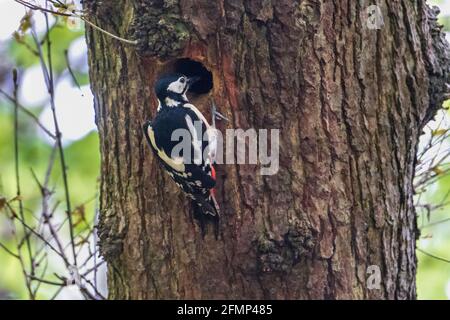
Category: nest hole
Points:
column 192, row 68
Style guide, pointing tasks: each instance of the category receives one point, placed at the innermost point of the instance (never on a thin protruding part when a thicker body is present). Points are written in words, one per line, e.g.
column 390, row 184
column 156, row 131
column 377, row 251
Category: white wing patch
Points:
column 198, row 113
column 211, row 132
column 176, row 163
column 196, row 140
column 212, row 143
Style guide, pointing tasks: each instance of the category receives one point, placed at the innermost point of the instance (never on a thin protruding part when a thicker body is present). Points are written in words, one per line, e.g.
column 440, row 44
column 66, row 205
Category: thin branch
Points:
column 15, row 216
column 38, row 8
column 59, row 140
column 17, row 169
column 28, row 113
column 9, row 251
column 48, row 76
column 94, row 268
column 433, row 256
column 42, row 276
column 57, row 293
column 432, row 224
column 70, row 70
column 74, row 14
column 53, row 283
column 99, row 295
column 133, row 42
column 47, row 221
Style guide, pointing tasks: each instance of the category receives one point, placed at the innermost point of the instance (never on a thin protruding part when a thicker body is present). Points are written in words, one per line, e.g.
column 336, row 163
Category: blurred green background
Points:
column 76, row 117
column 74, row 104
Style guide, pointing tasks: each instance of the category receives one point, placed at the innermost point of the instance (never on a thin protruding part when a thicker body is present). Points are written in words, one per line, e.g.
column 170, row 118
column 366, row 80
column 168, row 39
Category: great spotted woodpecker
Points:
column 195, row 176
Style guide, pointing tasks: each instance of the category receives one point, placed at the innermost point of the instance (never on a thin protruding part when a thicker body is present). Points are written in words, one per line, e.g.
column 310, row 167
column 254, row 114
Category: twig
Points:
column 28, row 113
column 36, row 289
column 48, row 76
column 70, row 69
column 17, row 170
column 99, row 295
column 9, row 251
column 435, row 223
column 94, row 268
column 37, row 234
column 36, row 7
column 433, row 256
column 47, row 219
column 58, row 140
column 57, row 293
column 75, row 15
column 53, row 283
column 133, row 42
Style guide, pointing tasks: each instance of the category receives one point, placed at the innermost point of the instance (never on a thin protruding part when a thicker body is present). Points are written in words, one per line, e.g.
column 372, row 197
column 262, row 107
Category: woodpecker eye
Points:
column 183, row 80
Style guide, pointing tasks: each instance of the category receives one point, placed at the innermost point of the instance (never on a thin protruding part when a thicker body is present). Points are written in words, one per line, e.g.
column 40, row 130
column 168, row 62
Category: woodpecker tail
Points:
column 206, row 210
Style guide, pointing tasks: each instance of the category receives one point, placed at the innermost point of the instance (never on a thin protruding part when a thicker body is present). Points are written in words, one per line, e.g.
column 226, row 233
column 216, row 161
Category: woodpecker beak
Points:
column 192, row 80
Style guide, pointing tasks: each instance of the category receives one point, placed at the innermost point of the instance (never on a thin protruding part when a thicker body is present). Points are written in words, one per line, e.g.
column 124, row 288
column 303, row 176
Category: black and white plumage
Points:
column 193, row 173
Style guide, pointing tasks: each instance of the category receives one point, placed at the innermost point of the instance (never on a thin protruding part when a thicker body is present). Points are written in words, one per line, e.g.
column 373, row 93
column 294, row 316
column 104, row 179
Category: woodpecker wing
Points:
column 209, row 131
column 193, row 175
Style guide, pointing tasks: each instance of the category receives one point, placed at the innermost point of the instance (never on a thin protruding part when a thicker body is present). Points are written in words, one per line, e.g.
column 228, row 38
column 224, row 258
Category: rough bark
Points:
column 350, row 102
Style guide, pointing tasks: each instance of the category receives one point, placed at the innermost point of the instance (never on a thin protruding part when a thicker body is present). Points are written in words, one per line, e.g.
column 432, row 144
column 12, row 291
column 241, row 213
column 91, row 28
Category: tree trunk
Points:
column 350, row 101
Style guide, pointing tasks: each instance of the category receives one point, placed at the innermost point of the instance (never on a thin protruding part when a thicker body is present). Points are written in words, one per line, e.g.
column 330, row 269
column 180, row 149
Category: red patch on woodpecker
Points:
column 213, row 175
column 213, row 172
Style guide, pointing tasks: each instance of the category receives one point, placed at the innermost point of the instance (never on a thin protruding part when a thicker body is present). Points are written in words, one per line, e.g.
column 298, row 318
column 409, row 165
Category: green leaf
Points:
column 437, row 170
column 439, row 132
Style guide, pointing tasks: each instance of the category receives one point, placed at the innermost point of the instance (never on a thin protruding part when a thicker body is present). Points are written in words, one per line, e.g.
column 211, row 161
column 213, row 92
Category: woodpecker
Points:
column 192, row 168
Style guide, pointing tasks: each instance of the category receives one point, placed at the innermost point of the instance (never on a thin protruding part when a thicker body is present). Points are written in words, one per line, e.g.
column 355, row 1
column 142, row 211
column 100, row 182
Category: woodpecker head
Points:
column 173, row 87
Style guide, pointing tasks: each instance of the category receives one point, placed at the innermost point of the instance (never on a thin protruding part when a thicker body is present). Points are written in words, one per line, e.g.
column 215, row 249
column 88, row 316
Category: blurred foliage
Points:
column 82, row 156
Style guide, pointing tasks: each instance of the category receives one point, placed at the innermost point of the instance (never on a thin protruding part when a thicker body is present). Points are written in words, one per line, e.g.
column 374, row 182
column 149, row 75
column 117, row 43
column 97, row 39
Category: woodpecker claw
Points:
column 220, row 116
column 216, row 114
